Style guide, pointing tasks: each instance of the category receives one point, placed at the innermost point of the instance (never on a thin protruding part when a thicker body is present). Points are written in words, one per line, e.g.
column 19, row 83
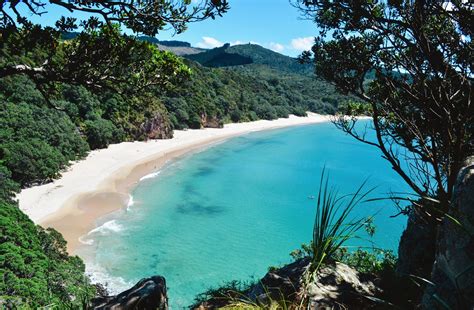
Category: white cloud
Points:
column 277, row 47
column 209, row 42
column 302, row 44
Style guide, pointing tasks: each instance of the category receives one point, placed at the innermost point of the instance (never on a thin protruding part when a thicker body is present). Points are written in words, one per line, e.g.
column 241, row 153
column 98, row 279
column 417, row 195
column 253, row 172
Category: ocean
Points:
column 233, row 209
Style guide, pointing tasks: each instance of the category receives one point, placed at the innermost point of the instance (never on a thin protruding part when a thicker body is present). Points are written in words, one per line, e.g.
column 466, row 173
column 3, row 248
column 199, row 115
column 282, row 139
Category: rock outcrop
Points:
column 453, row 270
column 211, row 121
column 416, row 255
column 337, row 286
column 157, row 127
column 416, row 251
column 285, row 281
column 147, row 294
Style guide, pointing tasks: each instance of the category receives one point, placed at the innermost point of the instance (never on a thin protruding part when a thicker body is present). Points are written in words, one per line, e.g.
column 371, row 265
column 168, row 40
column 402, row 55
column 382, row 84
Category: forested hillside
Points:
column 248, row 82
column 246, row 54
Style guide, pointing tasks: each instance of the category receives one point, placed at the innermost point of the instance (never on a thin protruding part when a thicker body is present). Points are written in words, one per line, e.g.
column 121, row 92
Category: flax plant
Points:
column 333, row 224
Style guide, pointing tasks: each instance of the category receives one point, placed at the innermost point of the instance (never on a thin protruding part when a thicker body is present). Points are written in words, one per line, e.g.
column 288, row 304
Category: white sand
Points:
column 102, row 168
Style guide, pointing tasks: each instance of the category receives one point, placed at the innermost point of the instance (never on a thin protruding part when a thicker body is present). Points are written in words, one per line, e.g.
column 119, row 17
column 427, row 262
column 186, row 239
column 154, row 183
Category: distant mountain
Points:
column 220, row 57
column 171, row 43
column 179, row 48
column 247, row 54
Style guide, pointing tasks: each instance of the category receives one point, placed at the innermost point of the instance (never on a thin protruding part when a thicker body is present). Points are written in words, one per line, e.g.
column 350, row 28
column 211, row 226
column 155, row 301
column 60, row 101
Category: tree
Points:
column 147, row 17
column 35, row 268
column 100, row 133
column 99, row 57
column 410, row 64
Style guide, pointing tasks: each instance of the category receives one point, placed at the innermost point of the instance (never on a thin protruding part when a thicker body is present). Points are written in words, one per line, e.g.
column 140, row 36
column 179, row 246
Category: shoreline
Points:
column 99, row 185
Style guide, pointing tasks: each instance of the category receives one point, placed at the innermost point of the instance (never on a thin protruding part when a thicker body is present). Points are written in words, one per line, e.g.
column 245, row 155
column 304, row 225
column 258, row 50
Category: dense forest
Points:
column 40, row 135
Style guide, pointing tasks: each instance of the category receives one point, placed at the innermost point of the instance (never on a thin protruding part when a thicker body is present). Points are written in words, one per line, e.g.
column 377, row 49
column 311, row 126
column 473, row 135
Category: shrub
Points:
column 100, row 133
column 32, row 160
column 236, row 116
column 34, row 266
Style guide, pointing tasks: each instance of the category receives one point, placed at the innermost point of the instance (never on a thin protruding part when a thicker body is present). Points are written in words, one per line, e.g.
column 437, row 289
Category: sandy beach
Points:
column 99, row 184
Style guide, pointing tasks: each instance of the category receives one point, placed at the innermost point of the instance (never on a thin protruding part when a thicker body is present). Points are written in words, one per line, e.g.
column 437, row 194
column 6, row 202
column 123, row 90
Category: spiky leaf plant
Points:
column 333, row 224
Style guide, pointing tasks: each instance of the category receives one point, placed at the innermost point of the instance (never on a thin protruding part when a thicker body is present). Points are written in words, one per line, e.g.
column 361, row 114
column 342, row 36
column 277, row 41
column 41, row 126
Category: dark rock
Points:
column 101, row 290
column 416, row 251
column 285, row 281
column 416, row 255
column 147, row 294
column 157, row 127
column 453, row 270
column 211, row 121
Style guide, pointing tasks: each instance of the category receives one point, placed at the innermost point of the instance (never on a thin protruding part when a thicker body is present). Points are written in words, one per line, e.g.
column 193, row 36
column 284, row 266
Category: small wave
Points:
column 110, row 226
column 98, row 274
column 130, row 202
column 86, row 241
column 150, row 176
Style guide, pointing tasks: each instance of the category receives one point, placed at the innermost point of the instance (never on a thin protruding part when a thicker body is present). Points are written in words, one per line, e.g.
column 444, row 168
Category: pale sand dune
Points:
column 98, row 185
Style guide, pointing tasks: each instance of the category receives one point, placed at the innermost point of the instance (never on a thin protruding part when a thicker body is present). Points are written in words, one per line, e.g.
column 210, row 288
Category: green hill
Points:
column 220, row 57
column 227, row 55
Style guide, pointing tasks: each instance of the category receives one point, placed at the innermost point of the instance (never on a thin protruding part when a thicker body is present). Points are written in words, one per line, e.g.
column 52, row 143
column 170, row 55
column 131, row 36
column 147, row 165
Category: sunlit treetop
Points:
column 100, row 56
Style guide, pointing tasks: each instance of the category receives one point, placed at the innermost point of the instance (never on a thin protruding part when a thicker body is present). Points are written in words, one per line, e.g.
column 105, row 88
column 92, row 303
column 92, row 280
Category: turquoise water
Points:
column 236, row 208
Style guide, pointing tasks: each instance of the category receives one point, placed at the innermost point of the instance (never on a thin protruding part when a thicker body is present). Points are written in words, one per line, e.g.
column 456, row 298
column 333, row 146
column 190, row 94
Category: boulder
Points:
column 336, row 286
column 147, row 294
column 285, row 281
column 339, row 286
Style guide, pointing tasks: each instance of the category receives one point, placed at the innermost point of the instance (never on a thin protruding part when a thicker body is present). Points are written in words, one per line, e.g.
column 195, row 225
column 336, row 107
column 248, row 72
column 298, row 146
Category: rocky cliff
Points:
column 452, row 276
column 157, row 127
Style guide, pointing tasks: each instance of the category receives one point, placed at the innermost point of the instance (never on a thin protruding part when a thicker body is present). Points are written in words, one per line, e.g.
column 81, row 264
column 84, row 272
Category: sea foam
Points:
column 150, row 176
column 110, row 226
column 98, row 274
column 85, row 240
column 130, row 202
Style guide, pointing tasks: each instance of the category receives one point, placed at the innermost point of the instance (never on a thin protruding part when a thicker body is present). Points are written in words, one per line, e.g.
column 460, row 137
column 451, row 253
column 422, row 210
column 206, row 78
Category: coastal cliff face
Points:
column 157, row 127
column 416, row 254
column 211, row 121
column 453, row 269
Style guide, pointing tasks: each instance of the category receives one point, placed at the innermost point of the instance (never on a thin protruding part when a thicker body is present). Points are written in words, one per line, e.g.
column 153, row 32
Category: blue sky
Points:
column 274, row 24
